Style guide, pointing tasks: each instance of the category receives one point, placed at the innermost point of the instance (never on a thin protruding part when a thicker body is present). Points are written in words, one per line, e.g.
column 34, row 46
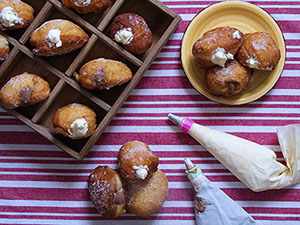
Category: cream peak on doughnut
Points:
column 219, row 56
column 82, row 3
column 10, row 17
column 53, row 38
column 253, row 63
column 124, row 36
column 141, row 172
column 236, row 34
column 79, row 128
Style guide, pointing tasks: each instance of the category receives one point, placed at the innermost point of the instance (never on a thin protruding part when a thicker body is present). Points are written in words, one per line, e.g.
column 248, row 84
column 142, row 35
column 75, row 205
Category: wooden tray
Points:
column 58, row 70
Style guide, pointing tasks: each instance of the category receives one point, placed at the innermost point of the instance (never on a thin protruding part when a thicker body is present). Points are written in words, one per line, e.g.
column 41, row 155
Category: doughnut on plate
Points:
column 247, row 18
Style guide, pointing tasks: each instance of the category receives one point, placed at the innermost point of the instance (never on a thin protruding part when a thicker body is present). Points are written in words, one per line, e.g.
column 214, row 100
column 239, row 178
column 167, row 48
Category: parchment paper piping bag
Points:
column 213, row 206
column 253, row 164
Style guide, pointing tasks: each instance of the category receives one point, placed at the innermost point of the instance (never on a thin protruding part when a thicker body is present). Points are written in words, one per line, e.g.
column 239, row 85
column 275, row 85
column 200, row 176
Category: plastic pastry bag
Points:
column 213, row 206
column 253, row 164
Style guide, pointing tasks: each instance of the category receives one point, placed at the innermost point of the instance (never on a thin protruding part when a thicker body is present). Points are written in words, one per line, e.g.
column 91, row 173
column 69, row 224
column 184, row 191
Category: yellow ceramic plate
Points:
column 247, row 18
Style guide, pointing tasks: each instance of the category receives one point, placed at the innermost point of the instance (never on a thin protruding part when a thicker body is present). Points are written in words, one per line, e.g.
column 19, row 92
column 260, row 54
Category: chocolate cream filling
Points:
column 200, row 204
column 25, row 95
column 119, row 197
column 99, row 78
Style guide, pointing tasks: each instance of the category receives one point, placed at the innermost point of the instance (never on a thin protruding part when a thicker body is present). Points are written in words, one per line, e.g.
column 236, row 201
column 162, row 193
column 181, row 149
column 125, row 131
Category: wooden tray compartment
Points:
column 61, row 62
column 58, row 70
column 158, row 21
column 25, row 63
column 68, row 95
column 100, row 50
column 37, row 5
column 93, row 18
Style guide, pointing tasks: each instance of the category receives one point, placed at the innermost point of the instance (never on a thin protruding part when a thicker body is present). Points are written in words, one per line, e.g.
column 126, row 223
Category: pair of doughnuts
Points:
column 147, row 187
column 254, row 50
column 141, row 193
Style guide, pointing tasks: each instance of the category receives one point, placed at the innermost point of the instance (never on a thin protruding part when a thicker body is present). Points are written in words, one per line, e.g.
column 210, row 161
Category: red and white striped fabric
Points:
column 40, row 184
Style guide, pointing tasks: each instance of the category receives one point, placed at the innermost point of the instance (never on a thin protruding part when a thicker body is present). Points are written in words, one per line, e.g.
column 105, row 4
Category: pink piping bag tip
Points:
column 184, row 123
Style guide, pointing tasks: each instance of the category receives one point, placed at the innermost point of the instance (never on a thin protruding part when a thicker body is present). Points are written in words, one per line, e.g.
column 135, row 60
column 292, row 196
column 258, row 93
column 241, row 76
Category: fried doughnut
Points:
column 145, row 198
column 75, row 121
column 132, row 31
column 57, row 37
column 103, row 74
column 217, row 46
column 87, row 6
column 106, row 191
column 4, row 48
column 15, row 14
column 136, row 161
column 23, row 90
column 228, row 80
column 259, row 51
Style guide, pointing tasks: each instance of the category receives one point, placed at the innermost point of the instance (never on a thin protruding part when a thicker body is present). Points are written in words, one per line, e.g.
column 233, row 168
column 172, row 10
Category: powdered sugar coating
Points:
column 147, row 197
column 135, row 154
column 104, row 185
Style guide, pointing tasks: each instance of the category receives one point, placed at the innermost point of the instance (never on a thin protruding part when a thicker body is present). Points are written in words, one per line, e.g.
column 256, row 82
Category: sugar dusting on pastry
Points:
column 23, row 90
column 259, row 51
column 99, row 187
column 53, row 38
column 106, row 191
column 76, row 121
column 147, row 197
column 9, row 17
column 25, row 95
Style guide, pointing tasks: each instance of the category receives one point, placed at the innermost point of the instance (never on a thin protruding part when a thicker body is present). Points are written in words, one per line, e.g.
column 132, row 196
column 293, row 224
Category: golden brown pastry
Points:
column 217, row 46
column 23, row 90
column 228, row 80
column 57, row 37
column 86, row 6
column 132, row 31
column 145, row 198
column 136, row 161
column 15, row 14
column 103, row 74
column 4, row 48
column 106, row 191
column 75, row 121
column 259, row 51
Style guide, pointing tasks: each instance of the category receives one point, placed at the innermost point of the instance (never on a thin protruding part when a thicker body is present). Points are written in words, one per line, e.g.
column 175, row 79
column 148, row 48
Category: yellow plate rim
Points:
column 268, row 86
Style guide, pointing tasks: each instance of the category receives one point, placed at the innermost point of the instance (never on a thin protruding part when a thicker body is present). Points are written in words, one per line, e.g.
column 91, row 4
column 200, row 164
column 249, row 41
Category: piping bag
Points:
column 213, row 206
column 253, row 164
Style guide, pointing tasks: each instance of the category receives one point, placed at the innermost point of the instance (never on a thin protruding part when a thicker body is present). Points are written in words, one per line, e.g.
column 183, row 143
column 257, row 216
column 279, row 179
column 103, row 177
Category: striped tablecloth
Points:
column 40, row 184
